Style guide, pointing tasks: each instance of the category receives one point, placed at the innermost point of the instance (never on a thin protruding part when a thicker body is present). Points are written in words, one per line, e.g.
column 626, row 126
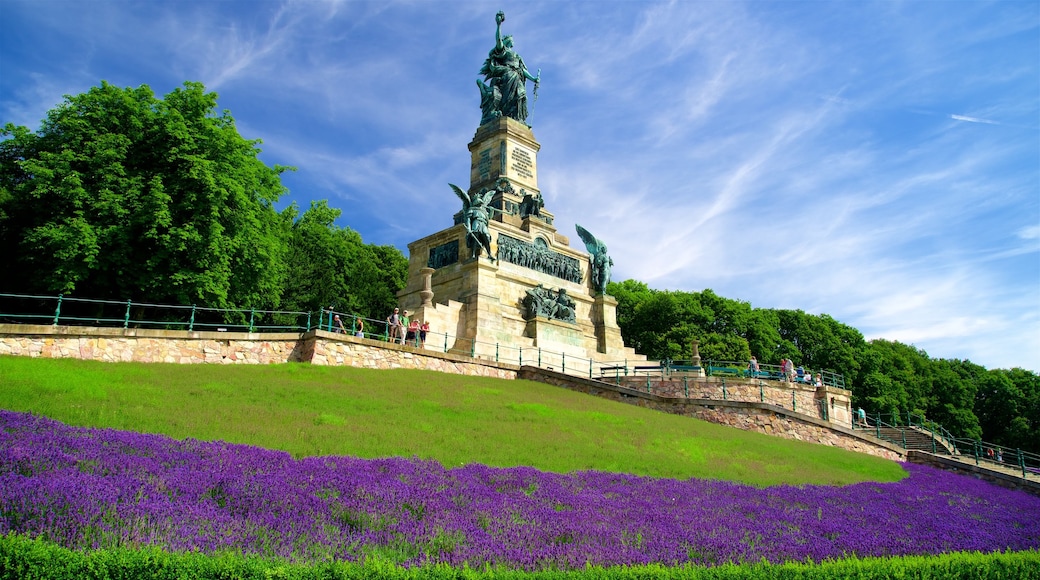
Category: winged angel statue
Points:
column 476, row 212
column 599, row 261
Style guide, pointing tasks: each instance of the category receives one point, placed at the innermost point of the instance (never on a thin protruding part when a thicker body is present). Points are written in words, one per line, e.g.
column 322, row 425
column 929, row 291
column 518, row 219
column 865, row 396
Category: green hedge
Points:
column 23, row 558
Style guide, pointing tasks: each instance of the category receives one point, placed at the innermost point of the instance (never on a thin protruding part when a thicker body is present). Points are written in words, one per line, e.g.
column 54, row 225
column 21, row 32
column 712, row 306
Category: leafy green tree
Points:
column 393, row 274
column 724, row 347
column 763, row 335
column 1006, row 404
column 332, row 266
column 122, row 195
column 895, row 378
column 952, row 397
column 1023, row 432
column 727, row 316
column 629, row 294
column 660, row 324
column 819, row 342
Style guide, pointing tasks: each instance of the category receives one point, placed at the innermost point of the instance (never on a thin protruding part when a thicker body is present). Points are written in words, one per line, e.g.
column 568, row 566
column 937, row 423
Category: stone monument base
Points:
column 557, row 336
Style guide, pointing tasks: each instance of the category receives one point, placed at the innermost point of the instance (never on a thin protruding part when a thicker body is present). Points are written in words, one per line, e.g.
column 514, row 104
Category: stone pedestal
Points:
column 480, row 300
column 604, row 318
column 504, row 148
column 557, row 336
column 838, row 403
column 695, row 357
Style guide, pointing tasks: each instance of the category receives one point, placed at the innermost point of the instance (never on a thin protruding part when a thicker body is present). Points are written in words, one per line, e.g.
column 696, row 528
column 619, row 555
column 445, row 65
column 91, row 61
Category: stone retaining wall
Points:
column 143, row 345
column 747, row 415
column 778, row 422
column 793, row 396
column 340, row 350
column 178, row 346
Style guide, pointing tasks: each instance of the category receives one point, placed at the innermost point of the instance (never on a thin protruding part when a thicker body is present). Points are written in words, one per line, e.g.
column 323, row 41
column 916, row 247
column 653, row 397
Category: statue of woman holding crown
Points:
column 503, row 91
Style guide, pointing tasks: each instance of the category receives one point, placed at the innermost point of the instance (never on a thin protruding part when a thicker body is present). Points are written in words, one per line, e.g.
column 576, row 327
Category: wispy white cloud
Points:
column 972, row 119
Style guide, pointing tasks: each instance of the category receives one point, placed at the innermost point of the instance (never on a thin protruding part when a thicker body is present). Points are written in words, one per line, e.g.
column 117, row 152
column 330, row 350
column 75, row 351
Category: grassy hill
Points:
column 311, row 410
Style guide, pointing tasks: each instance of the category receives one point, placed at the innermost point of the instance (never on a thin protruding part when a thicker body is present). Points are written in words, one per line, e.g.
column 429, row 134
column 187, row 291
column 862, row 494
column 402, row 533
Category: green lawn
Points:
column 312, row 410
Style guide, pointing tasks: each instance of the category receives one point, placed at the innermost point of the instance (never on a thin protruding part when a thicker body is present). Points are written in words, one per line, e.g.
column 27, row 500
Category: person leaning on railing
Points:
column 413, row 331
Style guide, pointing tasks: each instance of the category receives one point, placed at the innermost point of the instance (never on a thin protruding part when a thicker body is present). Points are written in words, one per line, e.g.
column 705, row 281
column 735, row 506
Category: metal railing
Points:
column 772, row 372
column 998, row 456
column 57, row 310
column 980, row 452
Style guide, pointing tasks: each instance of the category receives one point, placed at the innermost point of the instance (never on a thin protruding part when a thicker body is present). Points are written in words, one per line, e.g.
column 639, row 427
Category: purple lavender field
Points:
column 85, row 488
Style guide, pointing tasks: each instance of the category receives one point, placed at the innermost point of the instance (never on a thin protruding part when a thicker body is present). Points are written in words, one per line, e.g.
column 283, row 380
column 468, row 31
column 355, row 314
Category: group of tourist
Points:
column 402, row 330
column 789, row 372
column 337, row 323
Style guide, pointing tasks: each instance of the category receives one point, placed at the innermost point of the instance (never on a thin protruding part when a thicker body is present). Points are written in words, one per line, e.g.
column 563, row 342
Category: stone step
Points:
column 913, row 439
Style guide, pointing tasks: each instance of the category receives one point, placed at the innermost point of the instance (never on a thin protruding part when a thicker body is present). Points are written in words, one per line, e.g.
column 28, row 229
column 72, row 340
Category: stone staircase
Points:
column 914, row 437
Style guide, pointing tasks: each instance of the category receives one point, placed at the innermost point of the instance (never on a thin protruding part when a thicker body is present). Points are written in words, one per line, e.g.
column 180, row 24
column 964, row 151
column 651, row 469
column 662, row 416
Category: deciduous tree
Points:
column 122, row 195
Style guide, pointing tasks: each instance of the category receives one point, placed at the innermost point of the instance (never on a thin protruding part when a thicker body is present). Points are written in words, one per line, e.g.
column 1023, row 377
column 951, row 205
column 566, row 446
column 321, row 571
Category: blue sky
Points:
column 875, row 161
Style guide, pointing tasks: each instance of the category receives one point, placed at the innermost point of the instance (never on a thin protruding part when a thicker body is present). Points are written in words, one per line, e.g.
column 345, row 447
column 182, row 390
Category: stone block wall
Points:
column 789, row 426
column 140, row 345
column 749, row 415
column 804, row 399
column 175, row 346
column 338, row 350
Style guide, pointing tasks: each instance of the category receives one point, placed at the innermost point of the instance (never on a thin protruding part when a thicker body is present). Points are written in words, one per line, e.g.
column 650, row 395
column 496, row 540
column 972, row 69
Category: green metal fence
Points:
column 894, row 428
column 58, row 310
column 992, row 455
column 724, row 368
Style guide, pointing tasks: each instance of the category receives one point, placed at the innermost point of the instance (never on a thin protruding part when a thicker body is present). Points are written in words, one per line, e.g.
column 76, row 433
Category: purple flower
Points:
column 86, row 488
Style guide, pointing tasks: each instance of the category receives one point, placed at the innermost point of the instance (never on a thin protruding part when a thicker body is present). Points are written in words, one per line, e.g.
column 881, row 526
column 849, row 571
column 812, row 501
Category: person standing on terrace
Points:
column 402, row 325
column 392, row 322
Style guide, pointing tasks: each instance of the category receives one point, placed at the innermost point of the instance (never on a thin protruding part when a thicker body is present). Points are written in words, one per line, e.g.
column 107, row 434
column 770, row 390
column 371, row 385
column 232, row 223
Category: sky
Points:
column 878, row 162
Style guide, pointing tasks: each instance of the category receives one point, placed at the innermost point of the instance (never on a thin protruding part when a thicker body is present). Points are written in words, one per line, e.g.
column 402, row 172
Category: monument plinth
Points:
column 502, row 278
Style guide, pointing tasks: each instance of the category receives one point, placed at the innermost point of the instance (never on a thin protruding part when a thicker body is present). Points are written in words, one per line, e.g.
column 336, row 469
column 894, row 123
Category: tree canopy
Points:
column 122, row 195
column 332, row 267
